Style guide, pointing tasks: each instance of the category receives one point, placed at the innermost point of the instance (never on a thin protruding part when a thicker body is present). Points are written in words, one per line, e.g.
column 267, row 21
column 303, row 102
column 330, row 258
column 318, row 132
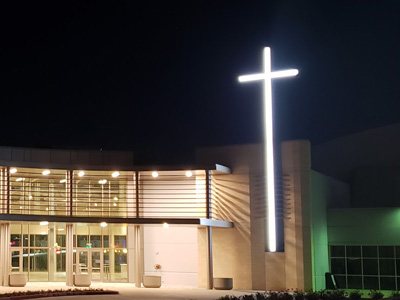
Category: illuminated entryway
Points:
column 39, row 250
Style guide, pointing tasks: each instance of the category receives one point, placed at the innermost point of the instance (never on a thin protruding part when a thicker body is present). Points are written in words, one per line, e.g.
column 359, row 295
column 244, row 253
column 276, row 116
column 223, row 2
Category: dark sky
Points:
column 162, row 78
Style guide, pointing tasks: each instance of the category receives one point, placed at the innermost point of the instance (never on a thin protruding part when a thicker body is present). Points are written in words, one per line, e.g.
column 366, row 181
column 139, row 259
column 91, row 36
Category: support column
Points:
column 210, row 270
column 4, row 253
column 131, row 253
column 52, row 253
column 139, row 258
column 69, row 255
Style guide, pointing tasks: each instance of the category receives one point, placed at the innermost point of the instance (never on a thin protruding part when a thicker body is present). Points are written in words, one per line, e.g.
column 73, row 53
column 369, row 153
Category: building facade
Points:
column 64, row 213
column 78, row 212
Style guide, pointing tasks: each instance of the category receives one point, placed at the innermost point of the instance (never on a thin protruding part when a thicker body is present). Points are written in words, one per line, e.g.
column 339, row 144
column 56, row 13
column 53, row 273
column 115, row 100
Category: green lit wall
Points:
column 320, row 193
column 364, row 226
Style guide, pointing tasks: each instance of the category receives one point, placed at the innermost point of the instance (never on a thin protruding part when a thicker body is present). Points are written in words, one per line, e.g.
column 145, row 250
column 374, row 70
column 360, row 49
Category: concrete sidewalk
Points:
column 128, row 291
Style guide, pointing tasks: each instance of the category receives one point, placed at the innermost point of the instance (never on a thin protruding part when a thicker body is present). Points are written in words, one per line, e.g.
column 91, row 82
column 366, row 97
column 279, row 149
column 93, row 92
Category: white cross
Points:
column 269, row 184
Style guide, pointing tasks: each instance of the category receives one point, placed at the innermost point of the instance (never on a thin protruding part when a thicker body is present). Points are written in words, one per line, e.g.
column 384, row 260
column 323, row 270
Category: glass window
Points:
column 60, row 240
column 38, row 191
column 371, row 283
column 120, row 241
column 38, row 240
column 15, row 240
column 354, row 266
column 82, row 240
column 106, row 241
column 337, row 251
column 95, row 240
column 341, row 281
column 338, row 266
column 353, row 251
column 354, row 282
column 387, row 266
column 370, row 251
column 370, row 266
column 25, row 240
column 386, row 251
column 388, row 283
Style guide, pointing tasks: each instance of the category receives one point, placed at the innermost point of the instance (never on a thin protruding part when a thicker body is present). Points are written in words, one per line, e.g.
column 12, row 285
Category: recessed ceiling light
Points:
column 46, row 172
column 13, row 170
column 115, row 174
column 103, row 224
column 154, row 174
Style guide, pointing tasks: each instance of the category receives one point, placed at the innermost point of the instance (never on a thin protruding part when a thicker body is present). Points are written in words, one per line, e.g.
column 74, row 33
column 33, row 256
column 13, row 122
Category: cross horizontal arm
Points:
column 262, row 76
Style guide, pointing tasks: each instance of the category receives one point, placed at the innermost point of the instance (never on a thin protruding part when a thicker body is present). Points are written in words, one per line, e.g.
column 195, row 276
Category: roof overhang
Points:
column 66, row 219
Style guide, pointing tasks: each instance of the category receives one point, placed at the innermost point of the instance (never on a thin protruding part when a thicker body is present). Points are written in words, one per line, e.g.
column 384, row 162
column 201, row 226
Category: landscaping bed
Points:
column 54, row 293
column 318, row 295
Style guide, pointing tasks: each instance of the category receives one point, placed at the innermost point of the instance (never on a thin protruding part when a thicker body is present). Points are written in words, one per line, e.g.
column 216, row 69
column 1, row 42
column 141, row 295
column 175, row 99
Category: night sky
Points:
column 161, row 79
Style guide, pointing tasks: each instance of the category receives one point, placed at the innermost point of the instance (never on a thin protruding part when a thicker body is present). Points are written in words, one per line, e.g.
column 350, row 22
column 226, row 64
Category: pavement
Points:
column 129, row 291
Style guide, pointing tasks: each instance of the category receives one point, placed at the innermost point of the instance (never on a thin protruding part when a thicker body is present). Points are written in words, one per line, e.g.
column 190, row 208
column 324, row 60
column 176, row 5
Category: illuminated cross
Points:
column 269, row 183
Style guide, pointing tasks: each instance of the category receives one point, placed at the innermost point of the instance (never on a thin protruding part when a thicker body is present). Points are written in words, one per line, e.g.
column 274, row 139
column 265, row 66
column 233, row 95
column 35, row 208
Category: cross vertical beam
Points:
column 269, row 170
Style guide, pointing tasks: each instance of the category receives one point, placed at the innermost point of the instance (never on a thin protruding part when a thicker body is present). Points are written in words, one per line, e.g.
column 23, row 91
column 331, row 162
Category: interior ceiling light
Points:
column 188, row 173
column 46, row 172
column 165, row 225
column 81, row 173
column 13, row 170
column 44, row 223
column 19, row 179
column 63, row 180
column 115, row 198
column 102, row 181
column 154, row 174
column 115, row 174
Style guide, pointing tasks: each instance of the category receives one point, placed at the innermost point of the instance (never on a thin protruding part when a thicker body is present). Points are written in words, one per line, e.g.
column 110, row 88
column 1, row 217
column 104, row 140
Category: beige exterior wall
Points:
column 237, row 251
column 296, row 170
column 275, row 274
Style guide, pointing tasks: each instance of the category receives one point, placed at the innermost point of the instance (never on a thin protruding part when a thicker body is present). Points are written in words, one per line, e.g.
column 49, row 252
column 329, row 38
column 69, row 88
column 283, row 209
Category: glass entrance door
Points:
column 96, row 265
column 90, row 261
